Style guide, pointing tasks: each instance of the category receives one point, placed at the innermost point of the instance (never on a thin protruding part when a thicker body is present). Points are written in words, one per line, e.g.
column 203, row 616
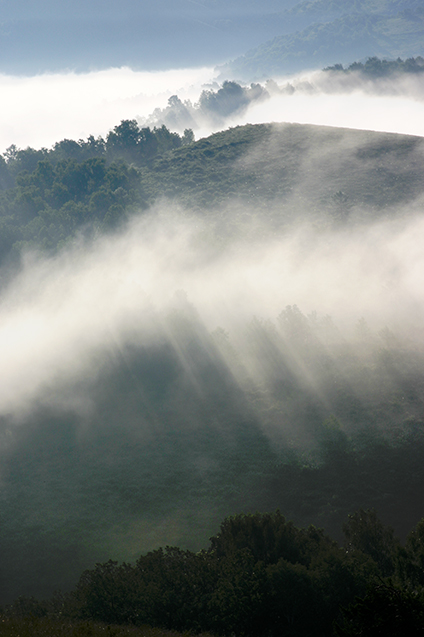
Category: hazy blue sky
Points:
column 40, row 35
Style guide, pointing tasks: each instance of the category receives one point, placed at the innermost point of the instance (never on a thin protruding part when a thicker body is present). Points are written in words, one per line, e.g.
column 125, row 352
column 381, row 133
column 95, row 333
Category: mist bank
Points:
column 41, row 109
column 266, row 224
column 56, row 315
column 352, row 98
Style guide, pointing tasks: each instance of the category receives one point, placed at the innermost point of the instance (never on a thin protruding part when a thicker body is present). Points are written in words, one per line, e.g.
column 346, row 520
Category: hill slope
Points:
column 271, row 163
column 287, row 172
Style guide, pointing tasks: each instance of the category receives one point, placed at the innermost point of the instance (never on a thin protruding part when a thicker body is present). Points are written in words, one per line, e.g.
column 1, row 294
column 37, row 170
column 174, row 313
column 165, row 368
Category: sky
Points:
column 41, row 35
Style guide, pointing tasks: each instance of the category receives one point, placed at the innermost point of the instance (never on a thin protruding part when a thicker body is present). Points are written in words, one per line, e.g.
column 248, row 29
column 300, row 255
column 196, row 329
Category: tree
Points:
column 412, row 563
column 364, row 532
column 188, row 136
column 385, row 611
column 107, row 593
column 269, row 537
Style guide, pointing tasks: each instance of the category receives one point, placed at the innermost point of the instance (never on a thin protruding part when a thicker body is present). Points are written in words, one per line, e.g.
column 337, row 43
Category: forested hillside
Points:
column 49, row 197
column 375, row 68
column 182, row 417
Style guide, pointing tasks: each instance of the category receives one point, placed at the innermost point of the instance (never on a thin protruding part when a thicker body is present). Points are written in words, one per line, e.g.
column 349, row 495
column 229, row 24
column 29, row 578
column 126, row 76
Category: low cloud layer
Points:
column 392, row 105
column 344, row 99
column 41, row 110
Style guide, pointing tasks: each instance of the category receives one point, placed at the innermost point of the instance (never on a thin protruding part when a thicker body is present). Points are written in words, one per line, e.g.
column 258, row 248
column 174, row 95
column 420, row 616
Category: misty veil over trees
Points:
column 216, row 347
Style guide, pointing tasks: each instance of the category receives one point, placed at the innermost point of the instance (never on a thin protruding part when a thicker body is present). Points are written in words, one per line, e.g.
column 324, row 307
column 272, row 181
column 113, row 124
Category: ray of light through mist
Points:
column 57, row 315
column 41, row 110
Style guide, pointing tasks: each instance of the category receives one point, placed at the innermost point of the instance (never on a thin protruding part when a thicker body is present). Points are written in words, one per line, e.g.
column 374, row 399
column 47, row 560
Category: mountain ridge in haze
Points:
column 324, row 32
column 44, row 36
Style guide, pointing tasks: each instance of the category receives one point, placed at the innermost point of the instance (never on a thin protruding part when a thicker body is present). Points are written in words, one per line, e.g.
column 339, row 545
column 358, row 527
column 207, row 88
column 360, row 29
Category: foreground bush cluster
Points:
column 260, row 576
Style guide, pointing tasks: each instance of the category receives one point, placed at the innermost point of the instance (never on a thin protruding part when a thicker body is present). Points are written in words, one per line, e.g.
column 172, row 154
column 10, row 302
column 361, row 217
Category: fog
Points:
column 357, row 110
column 57, row 315
column 40, row 110
column 350, row 101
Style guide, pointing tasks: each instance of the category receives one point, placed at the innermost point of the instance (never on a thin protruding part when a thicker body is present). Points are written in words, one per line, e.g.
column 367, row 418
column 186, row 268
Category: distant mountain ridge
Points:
column 320, row 32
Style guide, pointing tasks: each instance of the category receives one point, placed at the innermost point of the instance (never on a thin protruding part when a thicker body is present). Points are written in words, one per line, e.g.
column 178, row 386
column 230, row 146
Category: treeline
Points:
column 212, row 109
column 87, row 186
column 374, row 67
column 126, row 142
column 261, row 575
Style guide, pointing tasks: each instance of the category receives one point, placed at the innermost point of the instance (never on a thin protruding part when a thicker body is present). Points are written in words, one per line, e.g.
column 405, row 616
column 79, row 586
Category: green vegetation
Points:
column 181, row 434
column 49, row 196
column 260, row 576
